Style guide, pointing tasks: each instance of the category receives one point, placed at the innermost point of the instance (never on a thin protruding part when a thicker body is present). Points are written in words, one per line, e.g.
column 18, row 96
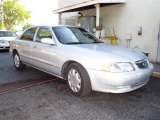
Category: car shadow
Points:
column 3, row 51
column 149, row 90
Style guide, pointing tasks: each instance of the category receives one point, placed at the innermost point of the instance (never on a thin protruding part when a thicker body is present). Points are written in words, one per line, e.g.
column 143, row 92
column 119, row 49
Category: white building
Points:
column 136, row 22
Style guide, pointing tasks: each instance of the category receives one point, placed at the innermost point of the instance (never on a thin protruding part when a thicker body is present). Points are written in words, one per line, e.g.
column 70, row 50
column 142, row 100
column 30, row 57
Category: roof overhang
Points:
column 88, row 5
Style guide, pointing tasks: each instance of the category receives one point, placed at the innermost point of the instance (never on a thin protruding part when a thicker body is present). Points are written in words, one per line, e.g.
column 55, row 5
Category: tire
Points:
column 17, row 62
column 78, row 80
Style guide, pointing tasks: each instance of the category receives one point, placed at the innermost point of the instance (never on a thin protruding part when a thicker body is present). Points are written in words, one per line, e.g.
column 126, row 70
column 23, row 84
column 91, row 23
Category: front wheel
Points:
column 78, row 80
column 17, row 62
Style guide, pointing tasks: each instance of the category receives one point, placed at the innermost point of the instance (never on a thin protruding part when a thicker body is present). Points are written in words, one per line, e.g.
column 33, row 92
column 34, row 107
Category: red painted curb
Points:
column 27, row 86
column 156, row 74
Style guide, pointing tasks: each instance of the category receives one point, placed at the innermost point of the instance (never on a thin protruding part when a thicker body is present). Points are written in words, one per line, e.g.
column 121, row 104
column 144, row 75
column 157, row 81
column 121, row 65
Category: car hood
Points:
column 7, row 38
column 114, row 53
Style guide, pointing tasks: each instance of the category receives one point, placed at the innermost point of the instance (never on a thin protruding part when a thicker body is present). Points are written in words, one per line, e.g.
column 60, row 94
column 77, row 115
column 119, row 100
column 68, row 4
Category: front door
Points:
column 44, row 55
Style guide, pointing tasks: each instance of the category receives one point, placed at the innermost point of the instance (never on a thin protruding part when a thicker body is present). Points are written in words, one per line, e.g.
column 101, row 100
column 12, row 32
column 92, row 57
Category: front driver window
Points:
column 43, row 33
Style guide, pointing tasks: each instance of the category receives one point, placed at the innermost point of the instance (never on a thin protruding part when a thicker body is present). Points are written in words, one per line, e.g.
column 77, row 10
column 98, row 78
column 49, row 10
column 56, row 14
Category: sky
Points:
column 41, row 11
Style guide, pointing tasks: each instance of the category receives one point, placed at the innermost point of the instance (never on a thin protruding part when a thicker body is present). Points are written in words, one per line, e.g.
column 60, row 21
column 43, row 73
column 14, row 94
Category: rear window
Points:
column 7, row 34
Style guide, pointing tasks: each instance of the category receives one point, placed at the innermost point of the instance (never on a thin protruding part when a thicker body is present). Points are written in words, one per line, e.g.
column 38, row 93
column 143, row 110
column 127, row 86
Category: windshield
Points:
column 7, row 34
column 74, row 35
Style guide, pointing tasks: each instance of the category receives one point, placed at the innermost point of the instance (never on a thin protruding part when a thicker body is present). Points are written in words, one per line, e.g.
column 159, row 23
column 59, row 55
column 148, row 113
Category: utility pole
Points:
column 2, row 21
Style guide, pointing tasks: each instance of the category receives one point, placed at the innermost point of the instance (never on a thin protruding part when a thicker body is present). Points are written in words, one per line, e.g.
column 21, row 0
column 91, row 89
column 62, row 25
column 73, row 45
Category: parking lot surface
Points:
column 53, row 101
column 9, row 74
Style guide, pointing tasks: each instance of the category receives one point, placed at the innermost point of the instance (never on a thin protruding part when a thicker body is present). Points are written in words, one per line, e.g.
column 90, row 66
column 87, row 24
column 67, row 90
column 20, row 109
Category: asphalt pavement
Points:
column 8, row 73
column 53, row 101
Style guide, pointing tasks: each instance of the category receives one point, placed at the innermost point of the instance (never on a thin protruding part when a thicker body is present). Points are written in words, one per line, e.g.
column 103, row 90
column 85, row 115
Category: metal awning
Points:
column 88, row 5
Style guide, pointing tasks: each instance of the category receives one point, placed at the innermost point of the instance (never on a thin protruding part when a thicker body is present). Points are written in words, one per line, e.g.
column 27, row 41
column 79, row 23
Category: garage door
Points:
column 70, row 22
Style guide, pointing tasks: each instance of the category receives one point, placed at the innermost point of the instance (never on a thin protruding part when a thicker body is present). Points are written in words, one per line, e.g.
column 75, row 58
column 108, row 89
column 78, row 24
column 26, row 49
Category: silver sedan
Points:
column 5, row 37
column 77, row 56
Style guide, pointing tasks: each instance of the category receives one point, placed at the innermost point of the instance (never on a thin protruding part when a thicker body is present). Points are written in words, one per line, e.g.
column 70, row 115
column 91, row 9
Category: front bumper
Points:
column 4, row 46
column 119, row 82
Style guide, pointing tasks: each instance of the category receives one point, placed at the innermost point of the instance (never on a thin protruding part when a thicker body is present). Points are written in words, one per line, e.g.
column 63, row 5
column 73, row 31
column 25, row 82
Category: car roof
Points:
column 50, row 26
column 5, row 30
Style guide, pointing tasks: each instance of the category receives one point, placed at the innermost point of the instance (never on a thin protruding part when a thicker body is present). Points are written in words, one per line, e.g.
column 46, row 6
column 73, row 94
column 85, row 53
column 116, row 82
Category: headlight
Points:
column 2, row 41
column 118, row 67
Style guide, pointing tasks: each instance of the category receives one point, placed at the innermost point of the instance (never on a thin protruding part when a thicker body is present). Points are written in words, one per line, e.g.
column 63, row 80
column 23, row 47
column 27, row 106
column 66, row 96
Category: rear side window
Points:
column 29, row 34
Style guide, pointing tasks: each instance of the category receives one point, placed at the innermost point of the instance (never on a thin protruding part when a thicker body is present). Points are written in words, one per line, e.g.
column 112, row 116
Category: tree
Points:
column 14, row 14
column 27, row 26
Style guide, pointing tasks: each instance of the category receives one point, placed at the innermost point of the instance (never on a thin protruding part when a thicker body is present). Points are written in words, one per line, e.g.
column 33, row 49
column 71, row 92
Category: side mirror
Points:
column 48, row 41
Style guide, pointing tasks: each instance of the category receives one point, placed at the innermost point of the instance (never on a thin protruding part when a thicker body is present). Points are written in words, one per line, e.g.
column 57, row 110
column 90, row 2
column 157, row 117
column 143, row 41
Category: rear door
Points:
column 25, row 45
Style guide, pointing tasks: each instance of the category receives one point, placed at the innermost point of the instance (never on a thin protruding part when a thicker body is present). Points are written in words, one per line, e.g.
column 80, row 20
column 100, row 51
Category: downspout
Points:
column 158, row 47
column 97, row 19
column 59, row 18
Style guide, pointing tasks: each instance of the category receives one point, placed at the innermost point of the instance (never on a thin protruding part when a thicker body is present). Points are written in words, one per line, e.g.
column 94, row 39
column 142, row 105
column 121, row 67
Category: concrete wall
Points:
column 128, row 18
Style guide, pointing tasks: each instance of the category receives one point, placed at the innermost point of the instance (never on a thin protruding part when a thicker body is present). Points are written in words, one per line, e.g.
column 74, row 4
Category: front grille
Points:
column 142, row 64
column 5, row 47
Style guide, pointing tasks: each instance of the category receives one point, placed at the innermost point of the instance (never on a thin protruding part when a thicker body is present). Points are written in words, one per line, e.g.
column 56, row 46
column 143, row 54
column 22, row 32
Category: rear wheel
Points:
column 17, row 62
column 78, row 80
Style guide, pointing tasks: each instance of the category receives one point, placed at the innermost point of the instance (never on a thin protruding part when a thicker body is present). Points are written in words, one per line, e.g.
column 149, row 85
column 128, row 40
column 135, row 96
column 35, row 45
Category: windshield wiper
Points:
column 98, row 42
column 73, row 43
